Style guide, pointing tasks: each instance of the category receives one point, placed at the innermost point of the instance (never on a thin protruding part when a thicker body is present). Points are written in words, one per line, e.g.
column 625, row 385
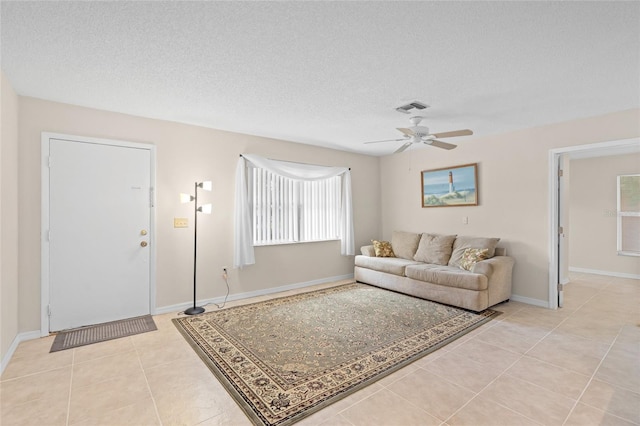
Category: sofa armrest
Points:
column 368, row 251
column 499, row 264
column 483, row 267
column 500, row 270
column 500, row 251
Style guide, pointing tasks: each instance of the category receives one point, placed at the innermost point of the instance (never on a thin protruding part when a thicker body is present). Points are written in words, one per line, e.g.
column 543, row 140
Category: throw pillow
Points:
column 405, row 244
column 463, row 243
column 383, row 248
column 472, row 256
column 435, row 249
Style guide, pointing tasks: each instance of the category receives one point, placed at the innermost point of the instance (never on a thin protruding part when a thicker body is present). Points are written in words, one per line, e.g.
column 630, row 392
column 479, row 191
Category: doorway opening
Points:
column 558, row 198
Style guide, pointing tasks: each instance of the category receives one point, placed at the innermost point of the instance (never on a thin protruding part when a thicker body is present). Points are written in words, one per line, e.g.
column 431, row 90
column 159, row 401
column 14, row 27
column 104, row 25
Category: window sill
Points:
column 628, row 253
column 282, row 243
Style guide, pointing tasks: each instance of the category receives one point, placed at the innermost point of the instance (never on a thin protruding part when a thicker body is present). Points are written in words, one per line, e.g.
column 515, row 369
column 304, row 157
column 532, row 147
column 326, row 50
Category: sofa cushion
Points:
column 434, row 248
column 472, row 256
column 463, row 243
column 390, row 265
column 405, row 244
column 449, row 276
column 383, row 248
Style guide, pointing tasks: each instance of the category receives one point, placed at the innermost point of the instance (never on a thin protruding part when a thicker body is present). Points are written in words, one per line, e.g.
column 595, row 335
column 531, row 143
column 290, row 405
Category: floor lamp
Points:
column 206, row 209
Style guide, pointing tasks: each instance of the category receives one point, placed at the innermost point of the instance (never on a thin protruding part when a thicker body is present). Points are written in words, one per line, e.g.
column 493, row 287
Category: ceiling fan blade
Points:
column 464, row 132
column 403, row 147
column 387, row 140
column 440, row 144
column 407, row 132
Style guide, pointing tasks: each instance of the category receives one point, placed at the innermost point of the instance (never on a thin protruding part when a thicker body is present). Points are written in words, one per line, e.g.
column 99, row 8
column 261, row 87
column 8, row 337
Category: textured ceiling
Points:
column 329, row 73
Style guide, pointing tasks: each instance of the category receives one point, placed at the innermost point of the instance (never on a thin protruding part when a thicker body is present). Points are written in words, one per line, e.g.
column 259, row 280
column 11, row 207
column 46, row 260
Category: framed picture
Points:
column 450, row 186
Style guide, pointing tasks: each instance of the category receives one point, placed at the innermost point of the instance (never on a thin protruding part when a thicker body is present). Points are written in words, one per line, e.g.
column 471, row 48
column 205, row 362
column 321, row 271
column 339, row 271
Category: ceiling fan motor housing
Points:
column 421, row 131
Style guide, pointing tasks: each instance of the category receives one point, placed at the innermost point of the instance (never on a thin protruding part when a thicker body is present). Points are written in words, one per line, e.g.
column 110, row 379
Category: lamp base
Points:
column 194, row 310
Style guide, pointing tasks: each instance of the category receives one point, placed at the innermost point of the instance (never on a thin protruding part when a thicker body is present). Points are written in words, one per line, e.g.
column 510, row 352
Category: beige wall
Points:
column 513, row 170
column 513, row 190
column 8, row 216
column 186, row 154
column 593, row 204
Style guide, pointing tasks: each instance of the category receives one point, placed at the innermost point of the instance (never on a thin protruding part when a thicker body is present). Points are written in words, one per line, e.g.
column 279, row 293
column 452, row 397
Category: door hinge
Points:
column 49, row 161
column 48, row 310
column 560, row 173
column 560, row 230
column 150, row 197
column 560, row 287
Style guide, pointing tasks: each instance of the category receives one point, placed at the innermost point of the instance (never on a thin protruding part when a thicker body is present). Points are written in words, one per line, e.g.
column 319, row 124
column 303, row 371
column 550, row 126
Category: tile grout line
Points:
column 505, row 372
column 73, row 362
column 593, row 375
column 477, row 394
column 146, row 380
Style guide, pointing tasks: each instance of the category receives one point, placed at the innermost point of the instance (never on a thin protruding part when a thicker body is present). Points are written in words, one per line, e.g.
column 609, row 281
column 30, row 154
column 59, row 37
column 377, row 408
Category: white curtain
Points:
column 243, row 245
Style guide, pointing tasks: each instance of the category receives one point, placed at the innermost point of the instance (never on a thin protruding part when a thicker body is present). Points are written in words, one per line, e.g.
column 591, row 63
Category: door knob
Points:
column 143, row 243
column 143, row 232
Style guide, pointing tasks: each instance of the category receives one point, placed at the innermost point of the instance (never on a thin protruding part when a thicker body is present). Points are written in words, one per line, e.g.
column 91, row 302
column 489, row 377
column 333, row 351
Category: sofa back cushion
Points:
column 462, row 243
column 435, row 249
column 405, row 244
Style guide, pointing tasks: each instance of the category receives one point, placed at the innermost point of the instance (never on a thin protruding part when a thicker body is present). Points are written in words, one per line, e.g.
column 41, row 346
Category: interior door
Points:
column 99, row 216
column 561, row 234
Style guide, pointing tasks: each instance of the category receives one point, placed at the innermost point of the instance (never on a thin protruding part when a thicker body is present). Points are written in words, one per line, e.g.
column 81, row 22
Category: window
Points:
column 629, row 215
column 280, row 202
column 287, row 210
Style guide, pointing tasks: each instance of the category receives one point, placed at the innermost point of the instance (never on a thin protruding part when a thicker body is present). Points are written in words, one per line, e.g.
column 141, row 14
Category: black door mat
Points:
column 102, row 332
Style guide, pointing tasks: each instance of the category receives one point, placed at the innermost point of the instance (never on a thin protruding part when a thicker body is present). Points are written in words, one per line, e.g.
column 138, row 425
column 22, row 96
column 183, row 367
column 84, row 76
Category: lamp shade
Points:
column 186, row 198
column 206, row 185
column 206, row 209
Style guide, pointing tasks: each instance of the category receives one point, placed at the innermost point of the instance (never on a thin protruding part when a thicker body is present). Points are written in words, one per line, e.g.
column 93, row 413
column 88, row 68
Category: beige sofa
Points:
column 430, row 266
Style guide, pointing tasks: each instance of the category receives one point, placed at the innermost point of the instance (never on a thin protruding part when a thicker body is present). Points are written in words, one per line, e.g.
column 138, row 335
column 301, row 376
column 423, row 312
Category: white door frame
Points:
column 44, row 222
column 554, row 158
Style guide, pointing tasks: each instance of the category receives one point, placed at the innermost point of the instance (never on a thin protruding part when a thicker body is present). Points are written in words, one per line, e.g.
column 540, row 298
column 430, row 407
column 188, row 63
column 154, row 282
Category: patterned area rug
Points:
column 286, row 358
column 102, row 332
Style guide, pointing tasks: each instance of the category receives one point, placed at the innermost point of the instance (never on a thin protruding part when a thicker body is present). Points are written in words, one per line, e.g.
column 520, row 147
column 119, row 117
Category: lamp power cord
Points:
column 226, row 280
column 225, row 276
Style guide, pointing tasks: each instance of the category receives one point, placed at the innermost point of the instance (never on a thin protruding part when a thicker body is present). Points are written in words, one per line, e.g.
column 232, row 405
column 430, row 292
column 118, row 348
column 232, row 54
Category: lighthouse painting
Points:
column 450, row 186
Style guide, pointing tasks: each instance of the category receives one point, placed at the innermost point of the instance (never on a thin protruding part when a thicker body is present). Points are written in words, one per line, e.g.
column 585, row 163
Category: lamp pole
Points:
column 195, row 309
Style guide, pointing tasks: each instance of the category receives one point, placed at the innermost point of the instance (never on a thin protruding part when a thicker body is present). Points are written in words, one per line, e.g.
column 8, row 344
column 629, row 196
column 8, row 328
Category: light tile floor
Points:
column 579, row 365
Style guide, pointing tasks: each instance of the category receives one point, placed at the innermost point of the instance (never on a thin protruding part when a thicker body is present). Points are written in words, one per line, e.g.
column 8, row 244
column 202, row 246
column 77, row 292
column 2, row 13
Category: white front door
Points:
column 99, row 232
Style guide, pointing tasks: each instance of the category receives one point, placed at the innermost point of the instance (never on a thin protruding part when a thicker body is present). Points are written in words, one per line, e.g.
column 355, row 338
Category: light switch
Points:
column 180, row 222
column 465, row 220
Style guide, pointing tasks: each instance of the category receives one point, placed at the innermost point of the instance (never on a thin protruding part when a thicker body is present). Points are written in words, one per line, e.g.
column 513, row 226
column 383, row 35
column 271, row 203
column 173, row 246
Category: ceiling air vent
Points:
column 408, row 107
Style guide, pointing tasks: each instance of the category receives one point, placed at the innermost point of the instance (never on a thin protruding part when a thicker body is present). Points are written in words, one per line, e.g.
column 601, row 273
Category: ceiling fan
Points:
column 420, row 134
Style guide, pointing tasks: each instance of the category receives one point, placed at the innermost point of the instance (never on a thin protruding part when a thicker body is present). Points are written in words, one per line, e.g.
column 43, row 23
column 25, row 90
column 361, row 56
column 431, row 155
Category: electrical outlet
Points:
column 180, row 222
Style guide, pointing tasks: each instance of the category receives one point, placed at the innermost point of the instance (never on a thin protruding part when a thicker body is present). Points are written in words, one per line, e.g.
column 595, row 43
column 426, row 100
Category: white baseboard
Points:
column 238, row 296
column 530, row 301
column 21, row 337
column 607, row 273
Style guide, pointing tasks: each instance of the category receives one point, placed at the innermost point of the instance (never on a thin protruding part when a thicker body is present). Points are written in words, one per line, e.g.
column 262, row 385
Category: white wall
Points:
column 593, row 204
column 8, row 216
column 513, row 190
column 186, row 154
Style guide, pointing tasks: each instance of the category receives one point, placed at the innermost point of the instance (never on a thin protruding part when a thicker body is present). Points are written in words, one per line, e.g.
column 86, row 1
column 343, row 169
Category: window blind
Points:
column 287, row 210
